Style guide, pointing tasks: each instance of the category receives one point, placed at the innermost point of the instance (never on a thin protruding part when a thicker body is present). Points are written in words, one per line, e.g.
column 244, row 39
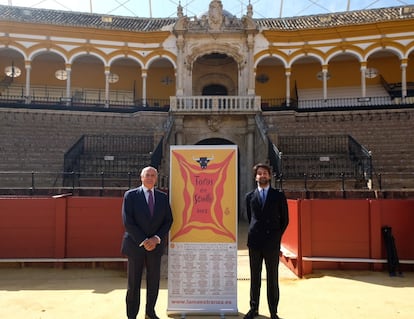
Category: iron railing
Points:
column 72, row 156
column 49, row 95
column 395, row 90
column 271, row 103
column 113, row 154
column 336, row 103
column 51, row 183
column 318, row 167
column 355, row 102
column 300, row 144
column 362, row 158
column 321, row 157
column 275, row 158
column 200, row 103
column 156, row 156
column 44, row 182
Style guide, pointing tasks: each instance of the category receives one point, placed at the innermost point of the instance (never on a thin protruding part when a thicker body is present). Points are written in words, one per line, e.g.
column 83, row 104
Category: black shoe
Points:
column 275, row 316
column 154, row 316
column 251, row 314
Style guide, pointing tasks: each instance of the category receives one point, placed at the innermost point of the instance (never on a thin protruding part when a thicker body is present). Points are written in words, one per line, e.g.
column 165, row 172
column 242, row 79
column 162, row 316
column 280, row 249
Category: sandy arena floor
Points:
column 50, row 293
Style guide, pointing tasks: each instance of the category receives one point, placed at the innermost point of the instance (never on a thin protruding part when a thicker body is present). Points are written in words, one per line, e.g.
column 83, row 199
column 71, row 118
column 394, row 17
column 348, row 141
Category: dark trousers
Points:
column 152, row 262
column 271, row 259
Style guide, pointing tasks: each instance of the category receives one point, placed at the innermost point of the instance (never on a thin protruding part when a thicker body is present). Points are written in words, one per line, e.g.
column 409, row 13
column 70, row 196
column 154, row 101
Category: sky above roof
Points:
column 168, row 8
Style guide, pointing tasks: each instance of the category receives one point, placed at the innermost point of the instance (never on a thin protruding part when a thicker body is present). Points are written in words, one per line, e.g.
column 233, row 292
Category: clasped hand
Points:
column 150, row 243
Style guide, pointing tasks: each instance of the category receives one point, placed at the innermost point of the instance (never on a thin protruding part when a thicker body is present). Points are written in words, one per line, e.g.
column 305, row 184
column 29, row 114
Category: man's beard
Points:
column 263, row 182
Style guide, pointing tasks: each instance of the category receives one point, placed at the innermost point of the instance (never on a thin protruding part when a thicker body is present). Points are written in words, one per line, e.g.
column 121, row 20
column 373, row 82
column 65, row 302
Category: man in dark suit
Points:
column 268, row 217
column 147, row 218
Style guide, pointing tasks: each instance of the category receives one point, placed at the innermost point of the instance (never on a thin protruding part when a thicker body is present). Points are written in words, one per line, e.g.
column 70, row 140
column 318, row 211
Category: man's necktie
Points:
column 263, row 197
column 151, row 202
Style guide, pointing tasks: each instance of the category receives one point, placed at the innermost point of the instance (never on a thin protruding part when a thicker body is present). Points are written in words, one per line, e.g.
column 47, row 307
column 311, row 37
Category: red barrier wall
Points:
column 336, row 228
column 398, row 214
column 60, row 227
column 319, row 231
column 291, row 238
column 347, row 234
column 27, row 228
column 94, row 227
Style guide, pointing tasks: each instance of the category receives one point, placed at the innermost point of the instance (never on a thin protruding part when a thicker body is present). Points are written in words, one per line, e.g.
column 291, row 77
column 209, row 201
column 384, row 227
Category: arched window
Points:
column 214, row 89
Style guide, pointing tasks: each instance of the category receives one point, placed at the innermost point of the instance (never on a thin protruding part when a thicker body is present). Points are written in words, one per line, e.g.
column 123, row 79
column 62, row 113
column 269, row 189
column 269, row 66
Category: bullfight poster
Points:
column 202, row 252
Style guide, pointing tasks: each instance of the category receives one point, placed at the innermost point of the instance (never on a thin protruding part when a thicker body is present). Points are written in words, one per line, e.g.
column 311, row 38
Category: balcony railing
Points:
column 346, row 102
column 79, row 97
column 215, row 104
column 336, row 103
column 124, row 101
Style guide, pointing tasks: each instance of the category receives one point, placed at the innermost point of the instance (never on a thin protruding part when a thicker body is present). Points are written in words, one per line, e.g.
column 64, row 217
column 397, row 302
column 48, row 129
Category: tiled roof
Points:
column 337, row 19
column 89, row 20
column 138, row 24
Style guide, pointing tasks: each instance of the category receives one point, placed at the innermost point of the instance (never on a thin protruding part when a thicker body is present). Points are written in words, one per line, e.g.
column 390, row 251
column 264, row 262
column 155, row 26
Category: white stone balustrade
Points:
column 215, row 103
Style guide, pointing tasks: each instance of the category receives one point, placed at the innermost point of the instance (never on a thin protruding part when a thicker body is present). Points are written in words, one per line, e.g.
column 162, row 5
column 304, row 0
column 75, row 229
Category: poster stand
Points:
column 202, row 254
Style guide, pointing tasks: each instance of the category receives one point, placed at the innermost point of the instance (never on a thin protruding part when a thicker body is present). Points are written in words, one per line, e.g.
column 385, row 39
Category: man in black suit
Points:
column 268, row 217
column 147, row 218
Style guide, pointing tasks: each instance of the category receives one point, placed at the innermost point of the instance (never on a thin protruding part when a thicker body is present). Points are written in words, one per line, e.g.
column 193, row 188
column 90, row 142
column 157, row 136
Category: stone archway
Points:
column 217, row 72
column 214, row 89
column 215, row 141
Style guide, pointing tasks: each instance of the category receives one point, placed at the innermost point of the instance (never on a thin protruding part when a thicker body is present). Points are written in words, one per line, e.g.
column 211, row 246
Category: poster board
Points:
column 202, row 253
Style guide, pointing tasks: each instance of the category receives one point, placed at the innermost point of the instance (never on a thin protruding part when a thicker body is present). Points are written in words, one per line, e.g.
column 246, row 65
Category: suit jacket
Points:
column 138, row 222
column 268, row 223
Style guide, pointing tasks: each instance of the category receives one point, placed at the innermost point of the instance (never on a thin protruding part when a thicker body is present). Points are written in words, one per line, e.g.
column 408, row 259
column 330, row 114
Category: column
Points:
column 403, row 79
column 363, row 79
column 180, row 66
column 250, row 63
column 250, row 148
column 28, row 66
column 144, row 87
column 107, row 73
column 287, row 74
column 68, row 84
column 325, row 81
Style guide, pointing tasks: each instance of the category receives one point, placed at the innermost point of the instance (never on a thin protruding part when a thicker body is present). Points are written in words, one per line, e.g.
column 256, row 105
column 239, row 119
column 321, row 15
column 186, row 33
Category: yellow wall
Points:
column 344, row 73
column 157, row 89
column 304, row 75
column 87, row 75
column 276, row 85
column 410, row 68
column 6, row 62
column 43, row 73
column 388, row 67
column 129, row 77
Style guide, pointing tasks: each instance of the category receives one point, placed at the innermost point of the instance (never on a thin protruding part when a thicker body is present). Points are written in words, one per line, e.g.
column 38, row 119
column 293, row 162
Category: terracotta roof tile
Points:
column 138, row 24
column 70, row 18
column 338, row 19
